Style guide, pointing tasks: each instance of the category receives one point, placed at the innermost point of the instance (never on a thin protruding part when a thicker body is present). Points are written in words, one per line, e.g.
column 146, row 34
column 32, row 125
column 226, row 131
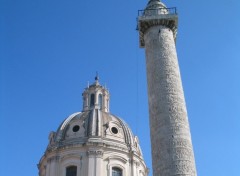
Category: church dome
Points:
column 93, row 141
column 93, row 125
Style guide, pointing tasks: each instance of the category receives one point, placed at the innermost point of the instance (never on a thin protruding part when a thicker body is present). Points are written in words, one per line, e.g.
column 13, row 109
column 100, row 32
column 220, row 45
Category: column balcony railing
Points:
column 159, row 11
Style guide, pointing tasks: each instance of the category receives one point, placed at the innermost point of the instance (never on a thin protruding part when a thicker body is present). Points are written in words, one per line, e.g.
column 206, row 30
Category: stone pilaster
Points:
column 52, row 166
column 99, row 155
column 95, row 162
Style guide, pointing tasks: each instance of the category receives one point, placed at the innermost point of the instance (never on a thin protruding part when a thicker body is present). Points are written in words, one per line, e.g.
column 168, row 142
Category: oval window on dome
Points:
column 76, row 128
column 114, row 130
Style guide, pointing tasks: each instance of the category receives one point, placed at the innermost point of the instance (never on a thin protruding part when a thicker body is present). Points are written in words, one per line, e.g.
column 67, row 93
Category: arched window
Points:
column 92, row 98
column 71, row 171
column 116, row 171
column 100, row 101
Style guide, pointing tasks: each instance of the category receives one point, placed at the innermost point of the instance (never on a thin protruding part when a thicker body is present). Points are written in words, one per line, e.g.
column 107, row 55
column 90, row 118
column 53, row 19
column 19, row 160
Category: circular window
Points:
column 114, row 130
column 76, row 128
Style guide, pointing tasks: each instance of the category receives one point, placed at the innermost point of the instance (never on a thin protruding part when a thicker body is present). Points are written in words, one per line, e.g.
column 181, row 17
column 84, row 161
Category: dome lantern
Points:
column 96, row 96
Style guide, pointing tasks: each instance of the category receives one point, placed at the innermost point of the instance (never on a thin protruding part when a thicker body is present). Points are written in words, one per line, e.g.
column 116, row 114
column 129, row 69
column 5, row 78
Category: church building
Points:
column 93, row 142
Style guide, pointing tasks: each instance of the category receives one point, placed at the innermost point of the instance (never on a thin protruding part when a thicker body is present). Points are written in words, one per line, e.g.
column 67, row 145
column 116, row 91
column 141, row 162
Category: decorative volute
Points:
column 96, row 96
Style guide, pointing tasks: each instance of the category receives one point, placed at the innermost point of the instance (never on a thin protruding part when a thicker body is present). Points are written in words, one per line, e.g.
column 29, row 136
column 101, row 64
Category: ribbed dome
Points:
column 93, row 142
column 94, row 125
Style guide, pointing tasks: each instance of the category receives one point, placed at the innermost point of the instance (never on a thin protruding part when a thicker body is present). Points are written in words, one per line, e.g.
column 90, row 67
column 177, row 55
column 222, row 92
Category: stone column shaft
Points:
column 172, row 153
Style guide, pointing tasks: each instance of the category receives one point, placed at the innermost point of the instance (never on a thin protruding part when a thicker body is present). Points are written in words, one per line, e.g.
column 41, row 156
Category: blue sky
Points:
column 50, row 49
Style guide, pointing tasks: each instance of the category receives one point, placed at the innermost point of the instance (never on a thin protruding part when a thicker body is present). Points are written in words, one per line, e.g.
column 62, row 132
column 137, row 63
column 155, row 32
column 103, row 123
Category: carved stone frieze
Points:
column 53, row 159
column 95, row 153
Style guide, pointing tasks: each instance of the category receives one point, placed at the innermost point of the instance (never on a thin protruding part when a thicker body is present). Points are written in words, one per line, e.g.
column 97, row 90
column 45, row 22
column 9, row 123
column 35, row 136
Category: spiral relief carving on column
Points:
column 170, row 136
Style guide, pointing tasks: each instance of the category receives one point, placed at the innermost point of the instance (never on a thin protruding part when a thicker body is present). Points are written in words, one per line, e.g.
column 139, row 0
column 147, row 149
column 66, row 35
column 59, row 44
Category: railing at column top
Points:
column 158, row 11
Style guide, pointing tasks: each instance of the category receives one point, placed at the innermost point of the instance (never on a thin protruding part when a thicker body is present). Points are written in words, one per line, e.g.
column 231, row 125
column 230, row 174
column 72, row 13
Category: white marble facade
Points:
column 93, row 142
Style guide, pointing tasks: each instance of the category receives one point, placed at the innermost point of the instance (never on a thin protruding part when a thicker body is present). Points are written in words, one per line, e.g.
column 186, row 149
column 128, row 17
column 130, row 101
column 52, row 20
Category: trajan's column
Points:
column 172, row 151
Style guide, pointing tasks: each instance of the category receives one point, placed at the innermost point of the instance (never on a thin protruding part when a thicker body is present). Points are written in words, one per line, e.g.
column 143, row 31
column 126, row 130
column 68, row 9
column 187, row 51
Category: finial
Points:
column 96, row 77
